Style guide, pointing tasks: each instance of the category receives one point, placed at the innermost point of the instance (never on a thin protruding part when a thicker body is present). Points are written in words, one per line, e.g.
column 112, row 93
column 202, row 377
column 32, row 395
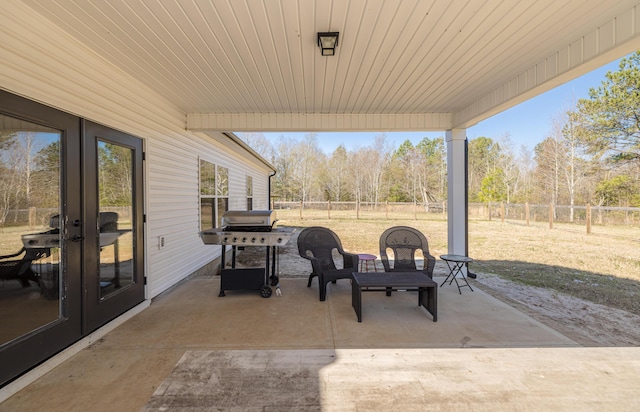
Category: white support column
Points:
column 457, row 193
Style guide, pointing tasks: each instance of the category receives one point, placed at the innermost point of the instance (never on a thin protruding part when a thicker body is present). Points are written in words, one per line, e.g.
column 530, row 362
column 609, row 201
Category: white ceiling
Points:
column 433, row 64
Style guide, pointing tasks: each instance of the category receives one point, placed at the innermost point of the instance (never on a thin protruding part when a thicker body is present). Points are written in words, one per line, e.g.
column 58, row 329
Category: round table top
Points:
column 456, row 258
column 366, row 256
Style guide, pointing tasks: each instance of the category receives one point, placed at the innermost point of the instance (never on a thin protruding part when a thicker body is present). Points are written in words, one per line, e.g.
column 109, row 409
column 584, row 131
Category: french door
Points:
column 113, row 264
column 71, row 224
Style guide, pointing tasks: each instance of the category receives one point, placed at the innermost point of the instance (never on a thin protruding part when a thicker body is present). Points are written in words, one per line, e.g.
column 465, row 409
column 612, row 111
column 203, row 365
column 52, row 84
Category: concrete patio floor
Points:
column 192, row 350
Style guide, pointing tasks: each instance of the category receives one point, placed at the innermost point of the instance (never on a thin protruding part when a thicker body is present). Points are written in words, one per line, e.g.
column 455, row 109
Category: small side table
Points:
column 366, row 258
column 455, row 263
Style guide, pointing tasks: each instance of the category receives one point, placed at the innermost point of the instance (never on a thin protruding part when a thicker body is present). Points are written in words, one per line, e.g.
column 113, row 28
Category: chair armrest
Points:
column 385, row 261
column 351, row 260
column 13, row 254
column 429, row 265
column 315, row 264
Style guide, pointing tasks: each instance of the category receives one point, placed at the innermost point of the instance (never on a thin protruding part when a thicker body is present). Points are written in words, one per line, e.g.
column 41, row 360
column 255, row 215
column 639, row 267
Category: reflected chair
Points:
column 318, row 245
column 404, row 242
column 18, row 266
column 109, row 235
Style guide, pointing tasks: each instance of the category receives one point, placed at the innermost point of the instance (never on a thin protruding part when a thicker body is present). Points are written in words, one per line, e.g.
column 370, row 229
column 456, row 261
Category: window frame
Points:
column 249, row 184
column 213, row 188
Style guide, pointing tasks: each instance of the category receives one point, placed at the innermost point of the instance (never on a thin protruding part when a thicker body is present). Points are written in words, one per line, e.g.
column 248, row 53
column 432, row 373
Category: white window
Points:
column 249, row 192
column 214, row 194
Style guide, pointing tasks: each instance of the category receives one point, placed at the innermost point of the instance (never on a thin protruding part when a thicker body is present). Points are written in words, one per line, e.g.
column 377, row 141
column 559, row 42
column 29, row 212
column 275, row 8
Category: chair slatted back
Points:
column 403, row 242
column 320, row 243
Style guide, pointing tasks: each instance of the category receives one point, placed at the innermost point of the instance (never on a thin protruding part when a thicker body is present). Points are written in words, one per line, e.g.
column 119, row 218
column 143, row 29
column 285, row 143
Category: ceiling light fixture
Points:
column 327, row 42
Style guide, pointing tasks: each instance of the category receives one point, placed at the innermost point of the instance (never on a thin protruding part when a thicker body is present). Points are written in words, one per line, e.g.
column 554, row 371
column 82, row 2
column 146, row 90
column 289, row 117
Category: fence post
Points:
column 502, row 212
column 415, row 210
column 489, row 208
column 588, row 218
column 526, row 212
column 357, row 209
column 301, row 202
column 386, row 210
column 550, row 215
column 329, row 209
column 444, row 212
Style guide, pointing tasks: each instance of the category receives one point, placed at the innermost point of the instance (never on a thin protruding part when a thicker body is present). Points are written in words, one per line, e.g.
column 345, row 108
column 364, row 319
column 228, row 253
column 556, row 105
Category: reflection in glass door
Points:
column 115, row 205
column 30, row 240
column 71, row 230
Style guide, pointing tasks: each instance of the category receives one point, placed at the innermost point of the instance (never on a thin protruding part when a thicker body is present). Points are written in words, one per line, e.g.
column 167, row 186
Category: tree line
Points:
column 30, row 174
column 591, row 155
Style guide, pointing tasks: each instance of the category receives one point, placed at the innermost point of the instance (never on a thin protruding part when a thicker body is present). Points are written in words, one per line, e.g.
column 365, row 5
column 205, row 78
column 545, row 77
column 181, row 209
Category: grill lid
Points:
column 249, row 220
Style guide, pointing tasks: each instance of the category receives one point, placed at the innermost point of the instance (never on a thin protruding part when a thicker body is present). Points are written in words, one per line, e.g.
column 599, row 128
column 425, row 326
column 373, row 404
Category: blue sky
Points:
column 527, row 123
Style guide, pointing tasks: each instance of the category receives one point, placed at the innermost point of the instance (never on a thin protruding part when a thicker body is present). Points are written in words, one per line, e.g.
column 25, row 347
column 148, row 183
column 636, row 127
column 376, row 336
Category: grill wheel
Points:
column 265, row 291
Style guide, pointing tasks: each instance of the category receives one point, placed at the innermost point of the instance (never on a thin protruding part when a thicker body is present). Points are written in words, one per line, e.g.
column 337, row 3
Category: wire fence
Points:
column 527, row 213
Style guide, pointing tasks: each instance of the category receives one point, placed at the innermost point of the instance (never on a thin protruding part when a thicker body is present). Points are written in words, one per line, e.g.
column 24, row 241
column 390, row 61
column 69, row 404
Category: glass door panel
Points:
column 30, row 240
column 113, row 227
column 115, row 205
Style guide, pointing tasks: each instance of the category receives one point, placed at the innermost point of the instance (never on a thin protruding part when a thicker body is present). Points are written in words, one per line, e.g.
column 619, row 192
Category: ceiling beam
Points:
column 274, row 122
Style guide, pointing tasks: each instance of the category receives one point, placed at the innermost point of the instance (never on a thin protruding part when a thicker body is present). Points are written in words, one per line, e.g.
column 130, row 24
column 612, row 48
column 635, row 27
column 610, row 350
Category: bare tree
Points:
column 548, row 155
column 16, row 154
column 507, row 162
column 259, row 144
column 526, row 168
column 307, row 157
column 335, row 174
column 573, row 164
column 284, row 183
column 357, row 172
column 377, row 158
column 9, row 176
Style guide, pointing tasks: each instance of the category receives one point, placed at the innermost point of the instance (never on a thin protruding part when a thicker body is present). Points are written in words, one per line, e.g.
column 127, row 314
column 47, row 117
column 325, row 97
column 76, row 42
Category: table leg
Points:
column 455, row 271
column 453, row 274
column 428, row 298
column 356, row 299
column 222, row 258
column 449, row 275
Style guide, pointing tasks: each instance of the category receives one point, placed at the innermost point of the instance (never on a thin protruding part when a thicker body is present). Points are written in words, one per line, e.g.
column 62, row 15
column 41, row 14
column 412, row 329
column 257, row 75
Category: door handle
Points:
column 75, row 238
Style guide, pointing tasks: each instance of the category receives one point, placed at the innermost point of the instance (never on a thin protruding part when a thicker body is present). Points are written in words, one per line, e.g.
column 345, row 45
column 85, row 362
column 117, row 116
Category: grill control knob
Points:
column 244, row 239
column 279, row 240
column 253, row 240
column 262, row 240
column 234, row 240
column 225, row 239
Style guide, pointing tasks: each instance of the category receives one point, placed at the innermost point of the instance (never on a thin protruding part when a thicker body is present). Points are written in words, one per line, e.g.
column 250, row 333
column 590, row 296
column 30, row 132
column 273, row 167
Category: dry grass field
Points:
column 602, row 267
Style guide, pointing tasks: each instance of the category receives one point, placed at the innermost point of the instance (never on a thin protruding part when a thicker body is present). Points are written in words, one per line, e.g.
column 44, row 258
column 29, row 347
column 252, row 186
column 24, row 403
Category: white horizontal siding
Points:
column 42, row 63
column 241, row 164
column 260, row 193
column 174, row 199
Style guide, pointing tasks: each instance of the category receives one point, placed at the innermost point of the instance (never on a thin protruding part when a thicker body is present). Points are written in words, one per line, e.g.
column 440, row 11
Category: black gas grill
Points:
column 247, row 228
column 254, row 228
